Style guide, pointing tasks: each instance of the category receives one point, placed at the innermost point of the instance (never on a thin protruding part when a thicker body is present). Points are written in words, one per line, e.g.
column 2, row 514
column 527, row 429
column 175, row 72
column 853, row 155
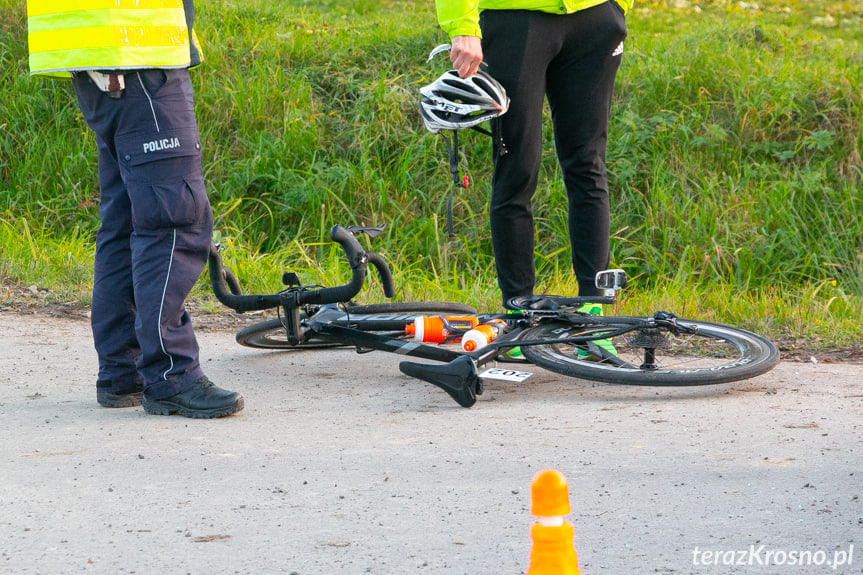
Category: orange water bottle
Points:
column 440, row 329
column 483, row 334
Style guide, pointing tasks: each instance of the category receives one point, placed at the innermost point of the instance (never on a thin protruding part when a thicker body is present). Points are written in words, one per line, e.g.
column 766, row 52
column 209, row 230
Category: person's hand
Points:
column 466, row 55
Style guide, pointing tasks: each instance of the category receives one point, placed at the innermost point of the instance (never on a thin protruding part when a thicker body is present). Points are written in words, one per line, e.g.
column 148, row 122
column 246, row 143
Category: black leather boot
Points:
column 107, row 397
column 202, row 400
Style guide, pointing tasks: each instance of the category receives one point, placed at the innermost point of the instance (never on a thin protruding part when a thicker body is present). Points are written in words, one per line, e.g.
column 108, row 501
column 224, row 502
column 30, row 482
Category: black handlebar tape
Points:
column 232, row 282
column 357, row 257
column 383, row 272
column 355, row 254
column 335, row 294
column 352, row 248
column 238, row 303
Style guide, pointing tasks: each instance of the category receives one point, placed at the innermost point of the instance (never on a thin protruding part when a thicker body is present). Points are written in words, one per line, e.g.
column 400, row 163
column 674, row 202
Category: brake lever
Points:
column 371, row 231
column 670, row 320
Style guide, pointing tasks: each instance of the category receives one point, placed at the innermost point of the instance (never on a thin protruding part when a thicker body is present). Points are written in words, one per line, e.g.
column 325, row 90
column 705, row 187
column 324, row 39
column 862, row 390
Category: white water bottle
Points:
column 482, row 335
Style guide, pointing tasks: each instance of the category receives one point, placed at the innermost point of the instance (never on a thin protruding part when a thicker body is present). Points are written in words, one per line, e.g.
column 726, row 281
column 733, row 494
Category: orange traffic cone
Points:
column 552, row 552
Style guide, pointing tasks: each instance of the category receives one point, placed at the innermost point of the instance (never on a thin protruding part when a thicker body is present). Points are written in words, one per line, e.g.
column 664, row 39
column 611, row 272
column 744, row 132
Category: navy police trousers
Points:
column 156, row 225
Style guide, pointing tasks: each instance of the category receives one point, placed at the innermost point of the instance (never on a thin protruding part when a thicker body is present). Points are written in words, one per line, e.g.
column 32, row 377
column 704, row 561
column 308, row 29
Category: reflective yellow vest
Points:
column 461, row 17
column 73, row 35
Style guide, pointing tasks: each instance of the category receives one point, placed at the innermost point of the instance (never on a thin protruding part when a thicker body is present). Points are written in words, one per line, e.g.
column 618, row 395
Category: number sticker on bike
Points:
column 505, row 374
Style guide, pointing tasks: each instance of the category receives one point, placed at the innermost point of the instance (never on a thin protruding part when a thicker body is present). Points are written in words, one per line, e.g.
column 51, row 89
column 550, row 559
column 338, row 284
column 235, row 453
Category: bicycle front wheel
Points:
column 271, row 334
column 714, row 354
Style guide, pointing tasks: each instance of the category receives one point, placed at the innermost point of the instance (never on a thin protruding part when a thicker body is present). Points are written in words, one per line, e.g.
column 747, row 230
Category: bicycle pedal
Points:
column 612, row 280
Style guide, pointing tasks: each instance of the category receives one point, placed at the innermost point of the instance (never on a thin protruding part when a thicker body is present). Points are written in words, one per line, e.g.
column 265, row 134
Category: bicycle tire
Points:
column 271, row 334
column 715, row 354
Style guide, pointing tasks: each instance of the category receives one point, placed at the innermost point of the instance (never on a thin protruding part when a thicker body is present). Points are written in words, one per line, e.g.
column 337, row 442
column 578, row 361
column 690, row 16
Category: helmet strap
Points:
column 501, row 147
column 459, row 180
column 452, row 153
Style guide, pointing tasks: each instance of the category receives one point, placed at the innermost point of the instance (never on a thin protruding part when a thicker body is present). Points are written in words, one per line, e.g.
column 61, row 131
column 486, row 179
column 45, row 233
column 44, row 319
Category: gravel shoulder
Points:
column 341, row 464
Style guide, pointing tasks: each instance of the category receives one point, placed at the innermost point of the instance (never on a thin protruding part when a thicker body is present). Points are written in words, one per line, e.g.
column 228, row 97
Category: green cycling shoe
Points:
column 604, row 344
column 513, row 352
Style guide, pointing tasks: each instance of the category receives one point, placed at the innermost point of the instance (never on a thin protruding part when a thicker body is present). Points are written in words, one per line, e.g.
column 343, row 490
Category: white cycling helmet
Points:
column 455, row 103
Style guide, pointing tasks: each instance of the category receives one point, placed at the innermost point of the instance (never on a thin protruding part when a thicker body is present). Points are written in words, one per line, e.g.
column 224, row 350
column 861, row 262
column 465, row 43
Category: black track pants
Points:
column 572, row 60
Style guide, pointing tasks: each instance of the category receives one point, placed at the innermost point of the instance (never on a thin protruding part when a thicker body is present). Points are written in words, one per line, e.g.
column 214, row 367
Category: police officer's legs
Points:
column 171, row 239
column 170, row 243
column 151, row 135
column 113, row 307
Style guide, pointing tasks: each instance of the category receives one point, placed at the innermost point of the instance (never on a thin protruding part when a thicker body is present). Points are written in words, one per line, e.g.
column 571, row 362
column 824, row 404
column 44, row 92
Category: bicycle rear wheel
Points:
column 714, row 354
column 271, row 334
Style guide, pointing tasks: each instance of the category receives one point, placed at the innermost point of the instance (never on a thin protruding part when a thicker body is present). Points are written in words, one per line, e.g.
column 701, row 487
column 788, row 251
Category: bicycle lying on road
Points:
column 550, row 331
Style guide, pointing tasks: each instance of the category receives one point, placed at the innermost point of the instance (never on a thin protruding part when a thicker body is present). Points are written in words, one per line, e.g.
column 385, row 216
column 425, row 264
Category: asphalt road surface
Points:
column 341, row 464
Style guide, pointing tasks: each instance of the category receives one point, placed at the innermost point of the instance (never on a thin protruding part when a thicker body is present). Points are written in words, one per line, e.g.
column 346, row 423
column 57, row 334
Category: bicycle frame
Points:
column 459, row 374
column 538, row 326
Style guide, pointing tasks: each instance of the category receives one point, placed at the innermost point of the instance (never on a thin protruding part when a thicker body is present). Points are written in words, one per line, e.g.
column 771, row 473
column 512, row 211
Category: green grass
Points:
column 30, row 257
column 734, row 160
